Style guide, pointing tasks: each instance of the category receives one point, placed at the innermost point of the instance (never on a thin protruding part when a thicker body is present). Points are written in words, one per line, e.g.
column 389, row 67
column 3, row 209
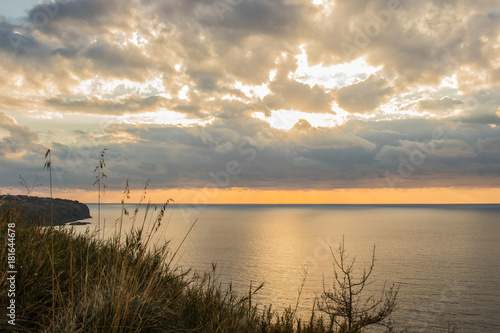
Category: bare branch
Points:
column 29, row 188
column 345, row 306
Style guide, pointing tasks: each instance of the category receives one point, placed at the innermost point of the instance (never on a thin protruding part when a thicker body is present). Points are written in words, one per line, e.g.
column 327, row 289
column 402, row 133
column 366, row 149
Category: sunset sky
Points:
column 254, row 101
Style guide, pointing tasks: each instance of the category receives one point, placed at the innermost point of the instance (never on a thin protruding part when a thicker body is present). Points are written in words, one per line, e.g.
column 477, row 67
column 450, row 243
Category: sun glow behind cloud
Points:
column 162, row 117
column 329, row 77
column 183, row 93
column 286, row 119
column 334, row 76
column 253, row 91
column 113, row 88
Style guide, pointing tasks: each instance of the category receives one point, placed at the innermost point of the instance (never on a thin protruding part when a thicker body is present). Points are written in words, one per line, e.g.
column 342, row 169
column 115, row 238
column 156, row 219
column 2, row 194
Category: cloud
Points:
column 68, row 19
column 365, row 96
column 452, row 149
column 19, row 135
column 292, row 95
column 141, row 59
column 439, row 104
column 489, row 146
column 94, row 104
column 354, row 155
column 116, row 61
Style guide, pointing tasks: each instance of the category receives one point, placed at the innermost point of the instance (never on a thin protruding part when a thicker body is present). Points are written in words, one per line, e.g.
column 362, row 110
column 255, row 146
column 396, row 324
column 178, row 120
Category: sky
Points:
column 253, row 101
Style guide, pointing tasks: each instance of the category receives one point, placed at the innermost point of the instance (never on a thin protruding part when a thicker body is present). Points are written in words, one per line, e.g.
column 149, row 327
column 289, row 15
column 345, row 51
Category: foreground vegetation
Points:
column 70, row 282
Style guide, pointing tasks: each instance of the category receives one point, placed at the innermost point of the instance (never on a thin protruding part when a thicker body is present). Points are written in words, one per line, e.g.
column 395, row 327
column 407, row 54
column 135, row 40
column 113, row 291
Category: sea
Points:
column 445, row 259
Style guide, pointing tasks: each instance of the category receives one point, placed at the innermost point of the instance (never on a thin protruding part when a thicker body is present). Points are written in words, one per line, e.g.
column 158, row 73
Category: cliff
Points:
column 36, row 209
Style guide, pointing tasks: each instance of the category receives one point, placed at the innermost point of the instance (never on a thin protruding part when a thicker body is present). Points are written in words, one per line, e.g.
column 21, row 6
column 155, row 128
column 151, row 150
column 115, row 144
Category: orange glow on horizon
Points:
column 338, row 196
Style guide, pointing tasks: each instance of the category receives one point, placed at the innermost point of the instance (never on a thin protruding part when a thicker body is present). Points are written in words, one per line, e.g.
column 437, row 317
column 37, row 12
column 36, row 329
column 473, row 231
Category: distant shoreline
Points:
column 37, row 209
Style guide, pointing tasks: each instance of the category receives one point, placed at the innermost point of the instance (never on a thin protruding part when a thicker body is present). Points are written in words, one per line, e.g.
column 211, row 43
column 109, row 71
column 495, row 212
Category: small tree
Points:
column 348, row 310
column 30, row 187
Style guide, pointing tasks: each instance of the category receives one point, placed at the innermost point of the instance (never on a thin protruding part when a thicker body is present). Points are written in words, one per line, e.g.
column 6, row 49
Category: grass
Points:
column 122, row 285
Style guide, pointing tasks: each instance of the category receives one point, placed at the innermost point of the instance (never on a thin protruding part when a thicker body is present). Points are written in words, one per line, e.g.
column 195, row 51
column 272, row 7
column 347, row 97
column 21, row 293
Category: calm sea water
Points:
column 446, row 257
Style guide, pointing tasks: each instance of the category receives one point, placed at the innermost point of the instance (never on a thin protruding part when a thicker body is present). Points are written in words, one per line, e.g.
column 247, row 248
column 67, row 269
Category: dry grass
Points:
column 122, row 284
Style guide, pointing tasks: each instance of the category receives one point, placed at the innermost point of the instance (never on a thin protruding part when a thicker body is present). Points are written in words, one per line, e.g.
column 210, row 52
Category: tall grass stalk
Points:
column 98, row 180
column 48, row 165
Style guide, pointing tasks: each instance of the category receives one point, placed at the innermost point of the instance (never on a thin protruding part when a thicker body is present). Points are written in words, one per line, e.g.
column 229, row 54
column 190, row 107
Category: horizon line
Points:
column 291, row 204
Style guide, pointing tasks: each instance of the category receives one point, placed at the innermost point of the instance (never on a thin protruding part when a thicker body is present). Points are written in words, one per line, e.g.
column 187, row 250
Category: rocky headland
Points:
column 37, row 209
